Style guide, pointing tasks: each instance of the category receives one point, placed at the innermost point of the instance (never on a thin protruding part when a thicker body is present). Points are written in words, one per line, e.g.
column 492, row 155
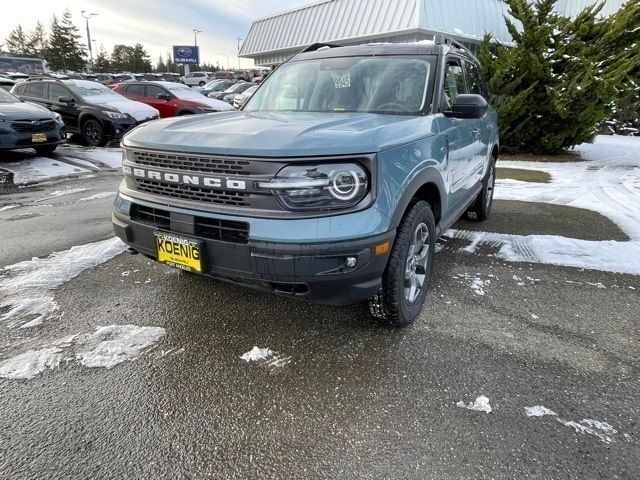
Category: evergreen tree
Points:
column 140, row 61
column 160, row 66
column 102, row 62
column 16, row 42
column 37, row 41
column 65, row 51
column 561, row 76
column 121, row 58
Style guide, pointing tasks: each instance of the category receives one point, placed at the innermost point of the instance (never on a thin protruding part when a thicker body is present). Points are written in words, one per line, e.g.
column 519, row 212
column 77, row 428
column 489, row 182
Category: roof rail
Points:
column 42, row 77
column 317, row 46
column 442, row 39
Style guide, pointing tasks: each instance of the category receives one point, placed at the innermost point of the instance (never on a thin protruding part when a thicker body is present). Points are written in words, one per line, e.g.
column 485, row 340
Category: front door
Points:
column 68, row 112
column 166, row 107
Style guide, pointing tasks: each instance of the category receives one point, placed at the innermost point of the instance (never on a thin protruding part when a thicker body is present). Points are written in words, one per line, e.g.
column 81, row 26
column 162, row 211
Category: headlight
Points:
column 115, row 114
column 319, row 187
column 57, row 117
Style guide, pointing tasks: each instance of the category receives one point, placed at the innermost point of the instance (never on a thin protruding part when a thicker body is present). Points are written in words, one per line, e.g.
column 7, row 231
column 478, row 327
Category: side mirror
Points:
column 163, row 96
column 67, row 100
column 468, row 106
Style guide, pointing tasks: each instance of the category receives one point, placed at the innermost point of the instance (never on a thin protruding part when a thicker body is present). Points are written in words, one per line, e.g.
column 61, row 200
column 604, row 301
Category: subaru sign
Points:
column 186, row 55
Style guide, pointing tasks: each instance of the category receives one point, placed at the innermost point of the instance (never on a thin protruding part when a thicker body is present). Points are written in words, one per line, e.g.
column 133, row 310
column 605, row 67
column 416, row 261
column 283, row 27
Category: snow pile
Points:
column 106, row 347
column 602, row 430
column 538, row 411
column 256, row 354
column 37, row 169
column 109, row 346
column 31, row 363
column 98, row 196
column 608, row 256
column 481, row 404
column 8, row 207
column 26, row 287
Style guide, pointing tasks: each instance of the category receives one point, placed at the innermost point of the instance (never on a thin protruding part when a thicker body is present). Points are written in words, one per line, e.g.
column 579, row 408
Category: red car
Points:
column 171, row 99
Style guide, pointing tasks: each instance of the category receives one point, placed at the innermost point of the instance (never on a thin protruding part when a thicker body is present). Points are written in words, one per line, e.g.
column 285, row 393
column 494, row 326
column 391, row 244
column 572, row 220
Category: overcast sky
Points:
column 156, row 24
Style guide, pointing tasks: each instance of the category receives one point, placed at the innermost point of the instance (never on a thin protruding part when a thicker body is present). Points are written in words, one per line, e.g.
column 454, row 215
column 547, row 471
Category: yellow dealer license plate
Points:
column 179, row 252
column 39, row 137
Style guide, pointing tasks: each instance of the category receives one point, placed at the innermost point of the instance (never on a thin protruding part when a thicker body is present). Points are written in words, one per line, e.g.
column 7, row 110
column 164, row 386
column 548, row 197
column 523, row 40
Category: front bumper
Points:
column 11, row 140
column 314, row 272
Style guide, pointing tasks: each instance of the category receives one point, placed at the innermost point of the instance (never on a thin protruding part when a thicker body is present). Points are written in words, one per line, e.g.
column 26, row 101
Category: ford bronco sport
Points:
column 331, row 185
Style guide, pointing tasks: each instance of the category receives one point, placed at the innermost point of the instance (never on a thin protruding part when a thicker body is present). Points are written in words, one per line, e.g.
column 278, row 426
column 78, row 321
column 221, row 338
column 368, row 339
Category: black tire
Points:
column 45, row 149
column 480, row 209
column 394, row 305
column 93, row 133
column 201, row 84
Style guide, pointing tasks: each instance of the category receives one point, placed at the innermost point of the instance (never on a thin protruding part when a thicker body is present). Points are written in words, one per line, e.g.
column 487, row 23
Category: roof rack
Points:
column 42, row 77
column 442, row 39
column 317, row 46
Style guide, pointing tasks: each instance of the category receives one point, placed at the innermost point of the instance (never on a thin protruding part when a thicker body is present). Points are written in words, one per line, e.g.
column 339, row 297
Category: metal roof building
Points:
column 273, row 39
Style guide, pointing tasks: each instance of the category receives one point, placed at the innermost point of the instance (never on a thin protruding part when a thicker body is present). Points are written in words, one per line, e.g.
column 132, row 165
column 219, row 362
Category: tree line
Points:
column 563, row 77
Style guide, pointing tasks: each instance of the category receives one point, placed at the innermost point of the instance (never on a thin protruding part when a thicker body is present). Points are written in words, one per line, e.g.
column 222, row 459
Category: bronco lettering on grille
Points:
column 185, row 179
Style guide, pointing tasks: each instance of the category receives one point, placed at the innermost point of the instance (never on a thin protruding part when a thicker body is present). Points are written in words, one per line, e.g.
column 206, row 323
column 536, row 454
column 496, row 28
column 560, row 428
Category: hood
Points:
column 199, row 99
column 23, row 111
column 284, row 134
column 137, row 110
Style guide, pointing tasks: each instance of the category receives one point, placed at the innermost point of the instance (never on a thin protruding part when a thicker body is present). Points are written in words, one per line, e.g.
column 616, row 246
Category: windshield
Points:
column 90, row 89
column 6, row 97
column 233, row 87
column 394, row 85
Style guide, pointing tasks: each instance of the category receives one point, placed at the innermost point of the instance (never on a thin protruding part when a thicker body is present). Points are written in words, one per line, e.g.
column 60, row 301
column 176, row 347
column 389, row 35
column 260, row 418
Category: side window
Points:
column 56, row 91
column 36, row 90
column 473, row 78
column 135, row 90
column 153, row 91
column 19, row 89
column 453, row 83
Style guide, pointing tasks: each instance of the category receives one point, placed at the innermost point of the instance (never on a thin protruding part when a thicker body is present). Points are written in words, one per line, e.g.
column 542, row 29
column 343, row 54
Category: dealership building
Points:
column 271, row 40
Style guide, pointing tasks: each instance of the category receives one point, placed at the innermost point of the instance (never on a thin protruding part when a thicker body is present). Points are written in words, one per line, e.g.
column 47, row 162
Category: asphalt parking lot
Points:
column 338, row 396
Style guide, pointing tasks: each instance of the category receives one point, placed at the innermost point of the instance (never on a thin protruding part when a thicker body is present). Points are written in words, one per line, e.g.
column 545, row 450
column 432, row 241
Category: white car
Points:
column 199, row 79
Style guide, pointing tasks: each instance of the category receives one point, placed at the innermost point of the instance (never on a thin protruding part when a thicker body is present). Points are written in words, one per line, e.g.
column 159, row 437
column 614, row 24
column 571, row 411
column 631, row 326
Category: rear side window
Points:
column 56, row 91
column 153, row 91
column 19, row 89
column 473, row 78
column 453, row 83
column 135, row 90
column 35, row 90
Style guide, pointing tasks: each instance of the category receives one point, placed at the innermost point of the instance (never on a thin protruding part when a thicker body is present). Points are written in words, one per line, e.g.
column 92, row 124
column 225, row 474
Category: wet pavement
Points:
column 340, row 396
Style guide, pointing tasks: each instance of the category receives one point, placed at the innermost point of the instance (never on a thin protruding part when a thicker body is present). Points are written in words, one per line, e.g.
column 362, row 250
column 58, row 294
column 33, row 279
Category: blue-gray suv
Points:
column 331, row 185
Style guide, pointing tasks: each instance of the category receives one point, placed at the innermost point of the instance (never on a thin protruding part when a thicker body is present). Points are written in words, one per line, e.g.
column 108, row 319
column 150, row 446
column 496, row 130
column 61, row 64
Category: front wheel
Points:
column 406, row 279
column 93, row 133
column 45, row 149
column 201, row 84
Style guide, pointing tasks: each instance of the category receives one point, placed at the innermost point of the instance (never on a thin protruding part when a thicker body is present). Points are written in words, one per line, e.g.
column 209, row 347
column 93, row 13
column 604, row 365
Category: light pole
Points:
column 195, row 36
column 239, row 40
column 87, row 17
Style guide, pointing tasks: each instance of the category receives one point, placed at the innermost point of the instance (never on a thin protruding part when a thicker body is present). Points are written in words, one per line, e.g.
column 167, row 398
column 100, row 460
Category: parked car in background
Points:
column 87, row 108
column 232, row 89
column 106, row 79
column 215, row 86
column 26, row 125
column 125, row 77
column 222, row 75
column 172, row 77
column 16, row 76
column 241, row 88
column 154, row 77
column 170, row 99
column 241, row 98
column 6, row 83
column 245, row 75
column 198, row 78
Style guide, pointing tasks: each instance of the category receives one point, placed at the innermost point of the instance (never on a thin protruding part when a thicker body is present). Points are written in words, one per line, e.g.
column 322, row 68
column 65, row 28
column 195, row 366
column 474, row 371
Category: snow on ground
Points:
column 481, row 404
column 608, row 182
column 62, row 193
column 602, row 430
column 106, row 347
column 69, row 160
column 608, row 256
column 26, row 288
column 265, row 358
column 38, row 169
column 98, row 196
column 538, row 411
column 8, row 207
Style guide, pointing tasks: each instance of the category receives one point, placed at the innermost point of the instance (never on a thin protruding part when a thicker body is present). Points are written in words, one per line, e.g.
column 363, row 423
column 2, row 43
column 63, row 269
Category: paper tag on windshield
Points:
column 342, row 80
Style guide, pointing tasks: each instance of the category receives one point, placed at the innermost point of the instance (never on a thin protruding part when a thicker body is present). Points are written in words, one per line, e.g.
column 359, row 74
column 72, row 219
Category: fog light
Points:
column 117, row 131
column 350, row 262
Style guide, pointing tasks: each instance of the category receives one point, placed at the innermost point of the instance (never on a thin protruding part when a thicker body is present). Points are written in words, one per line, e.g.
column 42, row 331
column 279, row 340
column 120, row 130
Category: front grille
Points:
column 26, row 126
column 193, row 163
column 151, row 216
column 196, row 194
column 210, row 228
column 225, row 230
